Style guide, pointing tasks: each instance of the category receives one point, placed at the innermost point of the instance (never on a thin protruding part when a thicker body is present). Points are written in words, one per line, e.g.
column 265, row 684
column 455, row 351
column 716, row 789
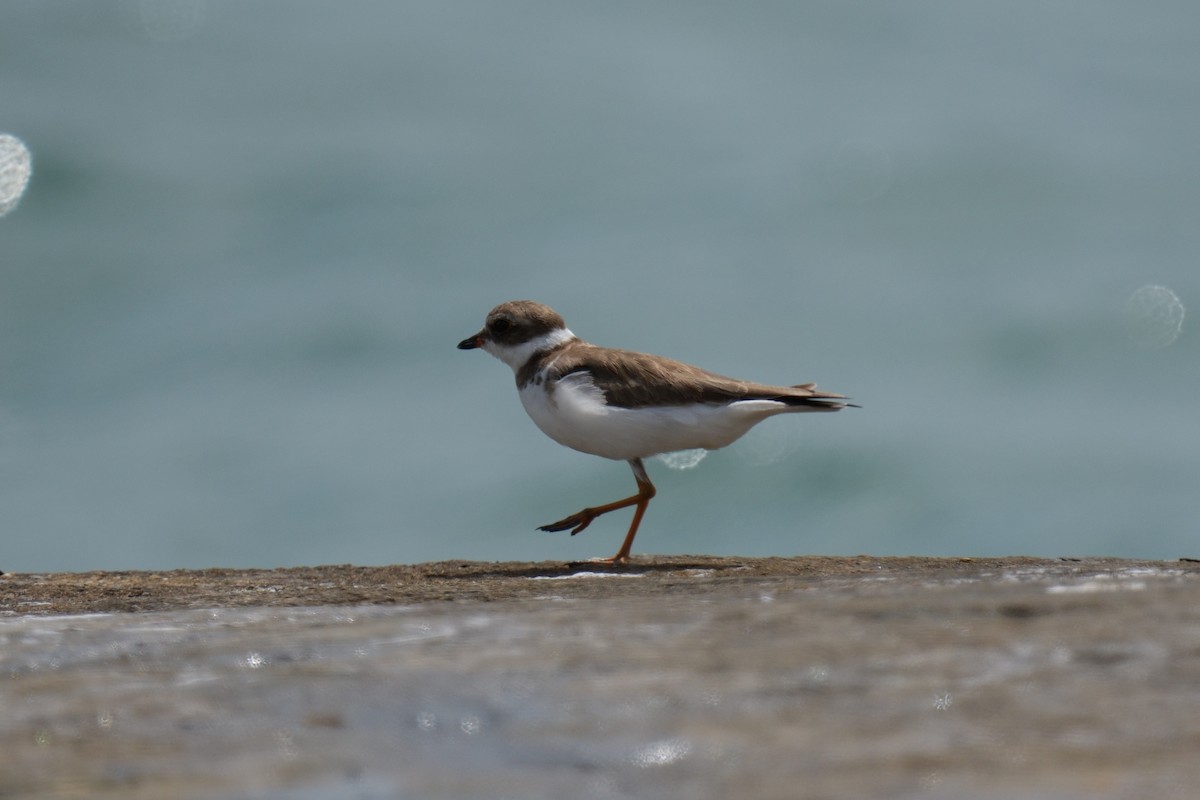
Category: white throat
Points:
column 516, row 355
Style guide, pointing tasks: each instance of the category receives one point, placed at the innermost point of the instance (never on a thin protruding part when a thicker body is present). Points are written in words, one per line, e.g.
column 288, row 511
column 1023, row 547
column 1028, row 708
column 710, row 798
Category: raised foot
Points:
column 576, row 522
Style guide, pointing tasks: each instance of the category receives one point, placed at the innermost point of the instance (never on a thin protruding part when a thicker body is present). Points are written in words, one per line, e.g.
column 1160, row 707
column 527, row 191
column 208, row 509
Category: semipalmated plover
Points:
column 625, row 405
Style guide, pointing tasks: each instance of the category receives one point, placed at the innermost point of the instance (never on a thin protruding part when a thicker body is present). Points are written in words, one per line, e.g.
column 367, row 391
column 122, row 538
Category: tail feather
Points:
column 815, row 403
column 807, row 397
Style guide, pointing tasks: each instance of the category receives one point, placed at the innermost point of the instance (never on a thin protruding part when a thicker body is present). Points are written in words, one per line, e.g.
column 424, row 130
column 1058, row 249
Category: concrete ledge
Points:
column 693, row 677
column 107, row 592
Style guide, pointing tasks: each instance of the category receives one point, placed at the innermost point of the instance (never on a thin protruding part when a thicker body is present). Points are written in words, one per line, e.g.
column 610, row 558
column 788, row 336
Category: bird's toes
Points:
column 616, row 561
column 576, row 522
column 561, row 525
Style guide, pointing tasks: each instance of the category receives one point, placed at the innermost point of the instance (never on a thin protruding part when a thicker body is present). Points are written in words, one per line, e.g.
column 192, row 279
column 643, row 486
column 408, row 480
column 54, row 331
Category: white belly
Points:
column 575, row 415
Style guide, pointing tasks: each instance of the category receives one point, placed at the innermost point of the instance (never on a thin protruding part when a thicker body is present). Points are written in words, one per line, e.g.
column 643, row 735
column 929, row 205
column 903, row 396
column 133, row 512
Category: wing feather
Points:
column 630, row 379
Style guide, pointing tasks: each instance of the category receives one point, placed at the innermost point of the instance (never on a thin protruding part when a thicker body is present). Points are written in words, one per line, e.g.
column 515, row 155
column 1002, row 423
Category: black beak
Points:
column 471, row 342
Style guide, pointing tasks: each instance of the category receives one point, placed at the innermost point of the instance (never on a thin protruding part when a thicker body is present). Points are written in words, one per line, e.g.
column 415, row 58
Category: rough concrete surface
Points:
column 673, row 677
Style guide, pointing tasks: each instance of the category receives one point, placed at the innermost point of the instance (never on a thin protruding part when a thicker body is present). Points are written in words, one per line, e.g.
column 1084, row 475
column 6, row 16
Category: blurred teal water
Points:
column 230, row 294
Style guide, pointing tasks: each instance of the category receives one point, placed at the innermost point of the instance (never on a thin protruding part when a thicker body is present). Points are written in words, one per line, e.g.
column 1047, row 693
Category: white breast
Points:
column 573, row 413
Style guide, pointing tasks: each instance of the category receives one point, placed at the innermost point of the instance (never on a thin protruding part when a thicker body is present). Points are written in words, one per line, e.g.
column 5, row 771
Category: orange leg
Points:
column 579, row 521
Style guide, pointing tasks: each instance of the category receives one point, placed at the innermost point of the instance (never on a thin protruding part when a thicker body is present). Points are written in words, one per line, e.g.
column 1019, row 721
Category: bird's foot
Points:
column 592, row 563
column 618, row 560
column 576, row 522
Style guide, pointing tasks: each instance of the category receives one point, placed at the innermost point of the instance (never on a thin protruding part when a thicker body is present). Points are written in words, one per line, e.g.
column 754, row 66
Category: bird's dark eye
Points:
column 500, row 325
